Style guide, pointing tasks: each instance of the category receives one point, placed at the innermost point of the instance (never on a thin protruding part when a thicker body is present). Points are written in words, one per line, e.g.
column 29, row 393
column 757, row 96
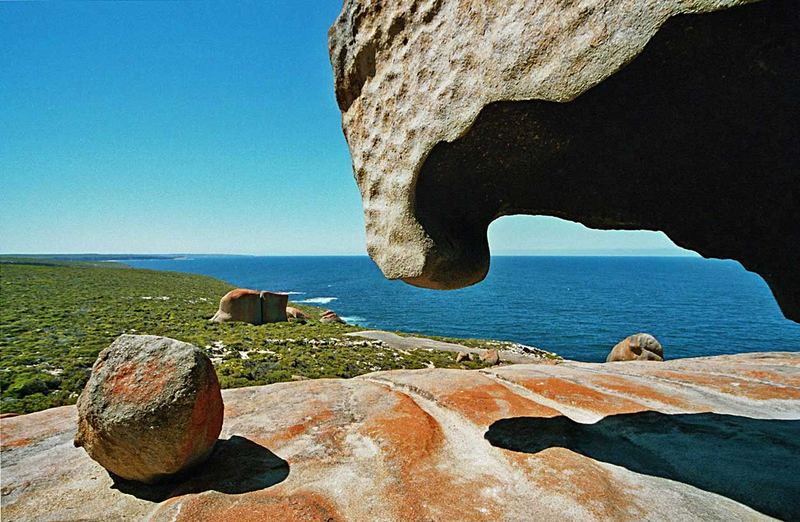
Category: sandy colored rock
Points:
column 637, row 347
column 251, row 306
column 491, row 357
column 152, row 408
column 710, row 438
column 644, row 114
column 329, row 316
column 296, row 314
column 463, row 356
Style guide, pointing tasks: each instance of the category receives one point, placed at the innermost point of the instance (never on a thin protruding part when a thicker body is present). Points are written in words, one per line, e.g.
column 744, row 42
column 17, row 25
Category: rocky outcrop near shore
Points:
column 712, row 438
column 252, row 306
column 652, row 114
column 637, row 347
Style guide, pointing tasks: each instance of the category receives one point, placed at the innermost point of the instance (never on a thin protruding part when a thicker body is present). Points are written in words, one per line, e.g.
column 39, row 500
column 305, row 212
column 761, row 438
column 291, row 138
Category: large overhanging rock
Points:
column 669, row 115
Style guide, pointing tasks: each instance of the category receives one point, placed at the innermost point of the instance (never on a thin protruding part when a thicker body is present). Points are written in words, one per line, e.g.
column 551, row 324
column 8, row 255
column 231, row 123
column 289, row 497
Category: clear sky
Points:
column 196, row 128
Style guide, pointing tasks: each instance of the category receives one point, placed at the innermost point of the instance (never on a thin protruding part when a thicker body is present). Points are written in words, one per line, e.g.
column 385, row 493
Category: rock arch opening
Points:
column 696, row 137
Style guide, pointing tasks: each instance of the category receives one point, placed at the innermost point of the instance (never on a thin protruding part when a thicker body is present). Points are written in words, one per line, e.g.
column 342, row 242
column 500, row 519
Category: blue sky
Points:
column 195, row 127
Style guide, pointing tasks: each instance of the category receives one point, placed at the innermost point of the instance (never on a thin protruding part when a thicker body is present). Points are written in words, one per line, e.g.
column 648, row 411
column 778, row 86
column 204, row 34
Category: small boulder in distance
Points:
column 463, row 357
column 491, row 357
column 329, row 316
column 296, row 314
column 152, row 408
column 637, row 347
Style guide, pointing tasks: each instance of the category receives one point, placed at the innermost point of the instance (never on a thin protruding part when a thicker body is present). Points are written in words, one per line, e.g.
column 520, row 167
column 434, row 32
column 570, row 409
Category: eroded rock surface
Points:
column 457, row 113
column 329, row 316
column 252, row 306
column 696, row 439
column 296, row 314
column 637, row 347
column 152, row 408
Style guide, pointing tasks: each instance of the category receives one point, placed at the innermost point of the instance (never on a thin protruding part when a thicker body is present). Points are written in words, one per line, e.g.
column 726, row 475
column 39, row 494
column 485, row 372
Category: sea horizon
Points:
column 99, row 255
column 576, row 306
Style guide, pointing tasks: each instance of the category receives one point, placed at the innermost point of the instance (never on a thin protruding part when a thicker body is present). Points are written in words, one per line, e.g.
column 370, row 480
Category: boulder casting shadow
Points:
column 237, row 465
column 752, row 461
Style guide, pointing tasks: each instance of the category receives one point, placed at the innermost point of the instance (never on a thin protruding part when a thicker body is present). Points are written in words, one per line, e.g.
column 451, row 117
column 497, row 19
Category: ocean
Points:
column 578, row 307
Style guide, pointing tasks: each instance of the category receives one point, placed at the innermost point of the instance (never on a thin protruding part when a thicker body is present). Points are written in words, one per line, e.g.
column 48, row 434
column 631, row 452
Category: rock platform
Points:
column 409, row 342
column 713, row 438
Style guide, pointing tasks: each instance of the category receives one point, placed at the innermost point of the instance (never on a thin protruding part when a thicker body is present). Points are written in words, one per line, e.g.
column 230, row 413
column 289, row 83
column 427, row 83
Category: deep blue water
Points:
column 578, row 307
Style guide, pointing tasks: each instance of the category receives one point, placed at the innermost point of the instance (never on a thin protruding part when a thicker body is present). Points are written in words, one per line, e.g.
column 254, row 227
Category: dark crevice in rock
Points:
column 697, row 137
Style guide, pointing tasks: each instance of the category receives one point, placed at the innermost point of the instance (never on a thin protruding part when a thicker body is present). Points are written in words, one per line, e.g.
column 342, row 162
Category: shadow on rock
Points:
column 752, row 461
column 237, row 465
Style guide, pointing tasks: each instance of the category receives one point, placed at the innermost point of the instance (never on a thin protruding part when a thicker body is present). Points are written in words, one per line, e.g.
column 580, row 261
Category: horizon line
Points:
column 564, row 253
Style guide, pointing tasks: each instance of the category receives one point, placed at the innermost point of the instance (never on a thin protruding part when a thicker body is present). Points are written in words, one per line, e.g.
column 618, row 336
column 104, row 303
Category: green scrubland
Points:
column 55, row 317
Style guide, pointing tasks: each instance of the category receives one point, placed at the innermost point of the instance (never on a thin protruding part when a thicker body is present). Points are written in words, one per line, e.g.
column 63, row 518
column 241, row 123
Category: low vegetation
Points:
column 490, row 344
column 55, row 317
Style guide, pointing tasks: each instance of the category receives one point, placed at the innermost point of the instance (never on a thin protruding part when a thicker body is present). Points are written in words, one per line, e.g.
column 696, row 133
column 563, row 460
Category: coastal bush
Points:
column 55, row 319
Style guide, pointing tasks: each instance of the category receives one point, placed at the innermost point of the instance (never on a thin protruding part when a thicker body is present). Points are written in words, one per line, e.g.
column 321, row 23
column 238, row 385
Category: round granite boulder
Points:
column 152, row 408
column 637, row 347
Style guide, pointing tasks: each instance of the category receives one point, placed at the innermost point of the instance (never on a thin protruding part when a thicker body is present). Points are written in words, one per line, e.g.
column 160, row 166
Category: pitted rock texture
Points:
column 152, row 408
column 651, row 114
column 637, row 347
column 696, row 439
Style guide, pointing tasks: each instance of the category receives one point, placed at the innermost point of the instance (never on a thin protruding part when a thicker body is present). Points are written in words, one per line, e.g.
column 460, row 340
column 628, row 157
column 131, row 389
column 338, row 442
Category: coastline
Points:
column 57, row 316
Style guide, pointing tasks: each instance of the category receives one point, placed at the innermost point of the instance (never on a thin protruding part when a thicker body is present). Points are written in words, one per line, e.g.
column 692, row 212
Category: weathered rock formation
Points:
column 251, row 306
column 152, row 408
column 329, row 316
column 296, row 314
column 695, row 439
column 491, row 357
column 637, row 347
column 652, row 114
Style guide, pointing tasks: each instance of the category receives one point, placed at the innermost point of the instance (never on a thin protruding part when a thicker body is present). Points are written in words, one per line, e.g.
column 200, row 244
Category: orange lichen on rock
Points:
column 590, row 485
column 207, row 417
column 488, row 402
column 731, row 385
column 410, row 439
column 772, row 377
column 437, row 444
column 140, row 383
column 315, row 418
column 639, row 390
column 578, row 396
column 414, row 448
column 15, row 443
column 407, row 431
column 473, row 395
